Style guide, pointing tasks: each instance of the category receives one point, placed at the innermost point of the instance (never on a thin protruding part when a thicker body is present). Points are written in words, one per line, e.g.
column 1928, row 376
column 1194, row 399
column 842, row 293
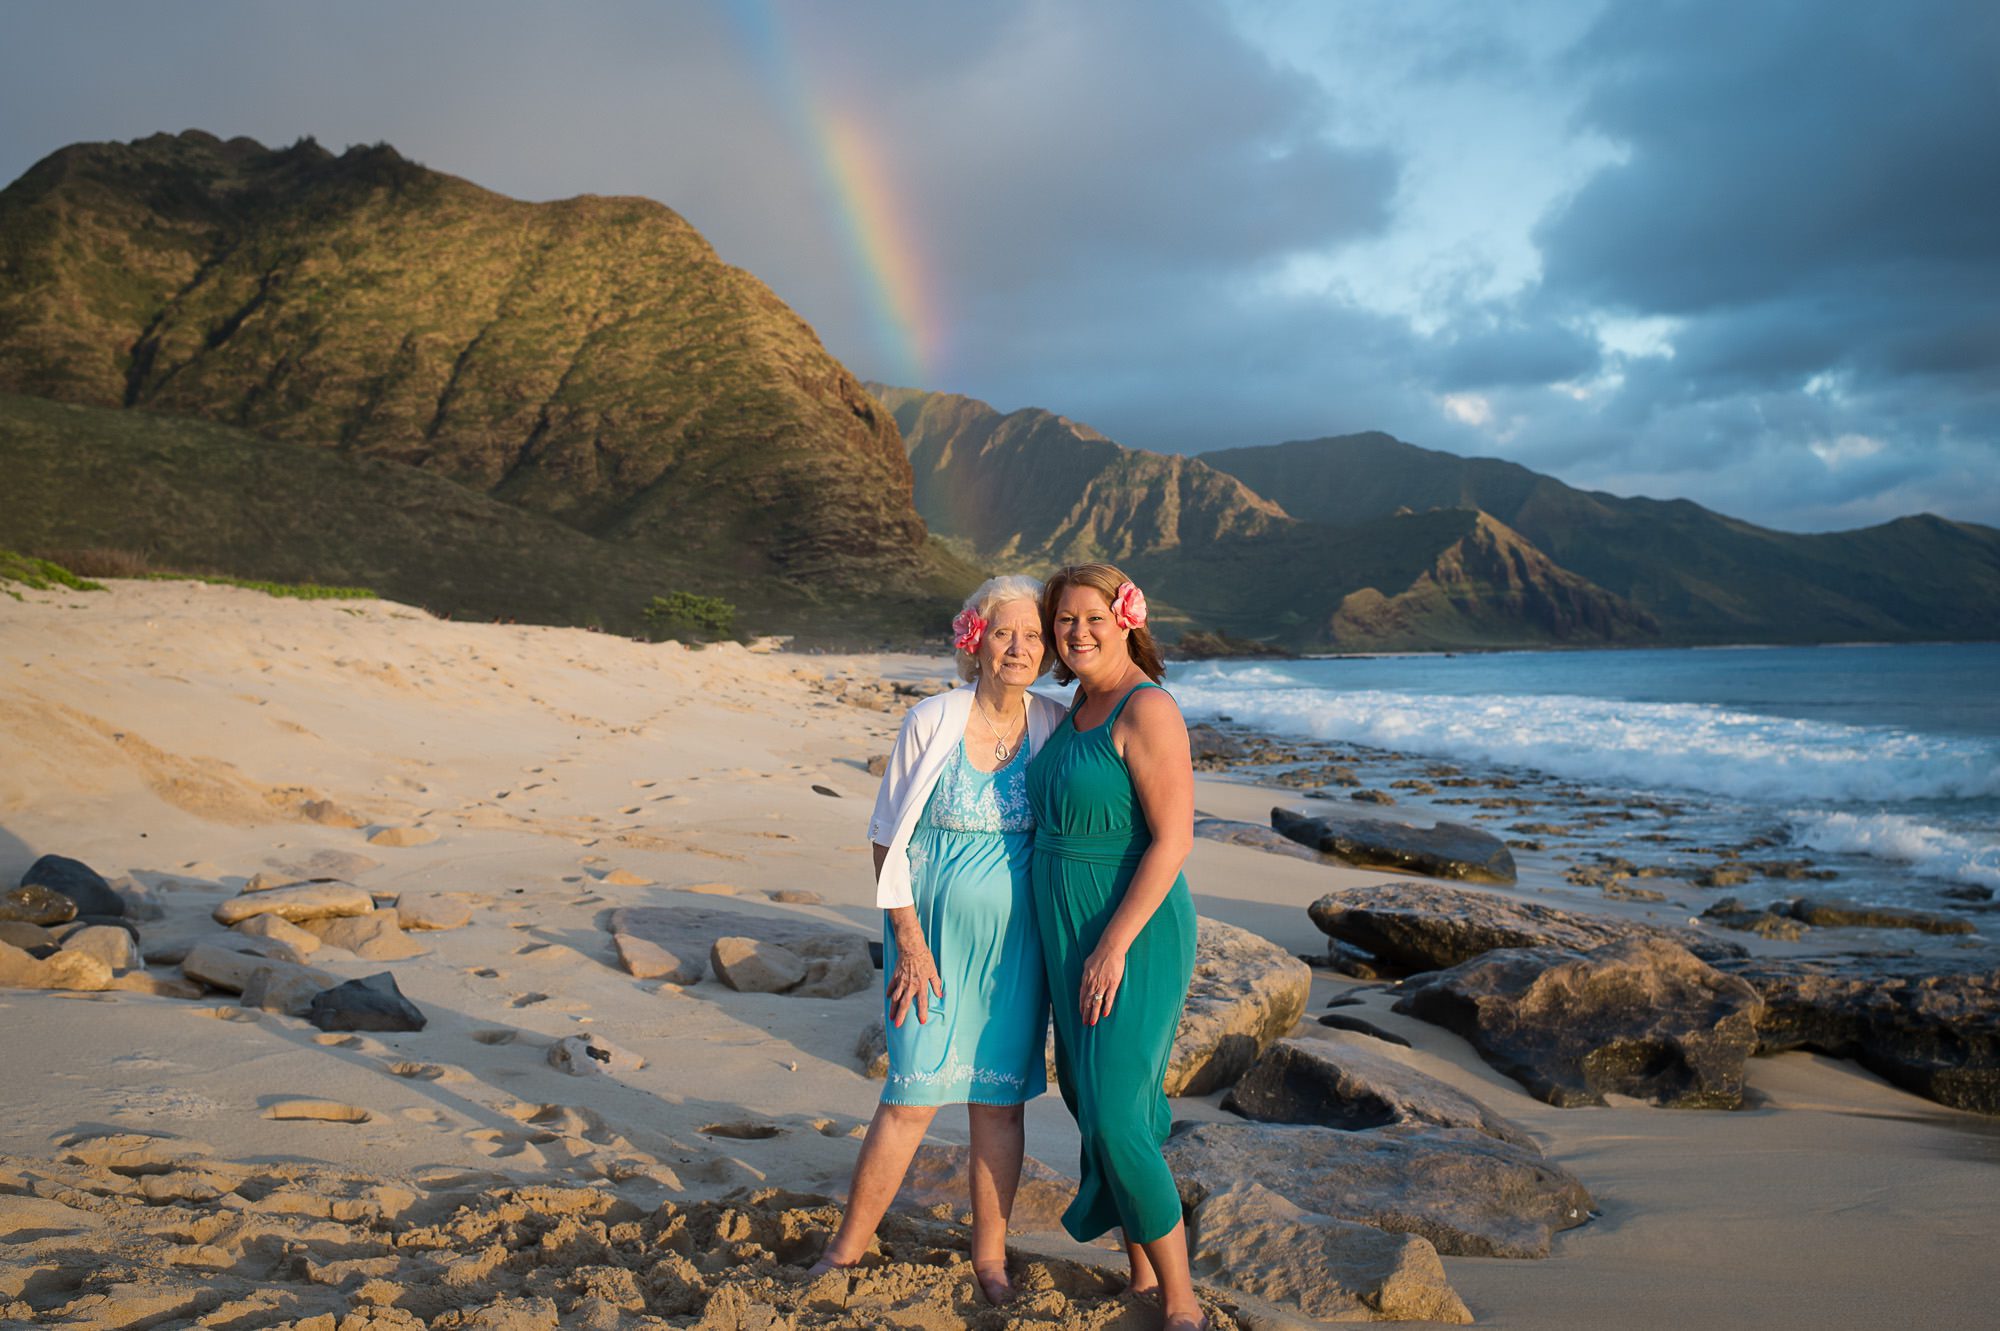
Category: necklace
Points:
column 1002, row 750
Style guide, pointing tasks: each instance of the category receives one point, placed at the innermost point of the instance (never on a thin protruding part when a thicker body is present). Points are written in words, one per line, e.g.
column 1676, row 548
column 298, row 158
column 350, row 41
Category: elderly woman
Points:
column 1113, row 799
column 966, row 1008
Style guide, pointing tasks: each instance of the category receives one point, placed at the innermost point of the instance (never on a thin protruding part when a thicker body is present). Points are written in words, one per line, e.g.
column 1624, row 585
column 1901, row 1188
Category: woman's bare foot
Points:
column 825, row 1264
column 1188, row 1321
column 994, row 1284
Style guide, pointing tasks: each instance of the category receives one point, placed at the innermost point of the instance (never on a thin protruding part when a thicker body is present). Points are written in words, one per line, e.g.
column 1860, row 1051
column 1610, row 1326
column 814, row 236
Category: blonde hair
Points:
column 988, row 597
column 1105, row 580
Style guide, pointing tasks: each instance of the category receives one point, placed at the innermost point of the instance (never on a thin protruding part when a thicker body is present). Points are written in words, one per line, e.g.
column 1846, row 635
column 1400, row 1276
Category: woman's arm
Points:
column 1154, row 741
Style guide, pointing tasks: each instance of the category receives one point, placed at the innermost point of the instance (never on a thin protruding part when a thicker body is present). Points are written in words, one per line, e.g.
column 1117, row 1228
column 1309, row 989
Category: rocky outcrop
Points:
column 1256, row 836
column 831, row 963
column 1251, row 1239
column 1639, row 1017
column 1246, row 992
column 1426, row 926
column 1935, row 1034
column 1469, row 1194
column 1447, row 850
column 298, row 903
column 1347, row 1084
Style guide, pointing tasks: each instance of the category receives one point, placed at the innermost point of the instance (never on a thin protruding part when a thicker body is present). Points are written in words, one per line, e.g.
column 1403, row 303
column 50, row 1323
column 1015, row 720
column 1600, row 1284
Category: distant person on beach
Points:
column 966, row 1007
column 1113, row 799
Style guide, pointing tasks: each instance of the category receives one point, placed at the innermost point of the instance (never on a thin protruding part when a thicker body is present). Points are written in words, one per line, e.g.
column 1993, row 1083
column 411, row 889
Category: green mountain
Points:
column 1032, row 488
column 1705, row 577
column 190, row 496
column 589, row 360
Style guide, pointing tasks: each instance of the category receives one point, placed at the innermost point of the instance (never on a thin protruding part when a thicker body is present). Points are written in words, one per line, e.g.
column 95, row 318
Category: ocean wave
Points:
column 1690, row 746
column 1934, row 852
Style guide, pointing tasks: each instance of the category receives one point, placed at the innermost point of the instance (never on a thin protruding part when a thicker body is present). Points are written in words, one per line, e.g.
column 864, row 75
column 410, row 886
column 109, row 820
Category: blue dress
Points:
column 984, row 1040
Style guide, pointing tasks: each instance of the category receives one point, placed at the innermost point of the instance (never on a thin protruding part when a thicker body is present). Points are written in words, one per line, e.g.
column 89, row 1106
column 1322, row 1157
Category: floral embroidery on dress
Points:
column 969, row 800
column 955, row 1071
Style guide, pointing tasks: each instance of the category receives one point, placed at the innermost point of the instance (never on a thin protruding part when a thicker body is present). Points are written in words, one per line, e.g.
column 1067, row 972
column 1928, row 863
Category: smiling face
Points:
column 1087, row 637
column 1012, row 650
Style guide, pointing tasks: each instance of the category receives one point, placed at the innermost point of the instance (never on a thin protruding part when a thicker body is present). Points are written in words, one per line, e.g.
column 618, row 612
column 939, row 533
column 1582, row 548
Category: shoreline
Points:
column 167, row 733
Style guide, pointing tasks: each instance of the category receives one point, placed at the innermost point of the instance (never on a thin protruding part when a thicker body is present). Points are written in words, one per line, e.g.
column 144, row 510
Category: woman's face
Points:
column 1086, row 634
column 1012, row 650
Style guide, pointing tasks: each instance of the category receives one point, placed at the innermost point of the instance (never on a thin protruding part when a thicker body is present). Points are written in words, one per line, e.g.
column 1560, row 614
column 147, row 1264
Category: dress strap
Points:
column 1130, row 694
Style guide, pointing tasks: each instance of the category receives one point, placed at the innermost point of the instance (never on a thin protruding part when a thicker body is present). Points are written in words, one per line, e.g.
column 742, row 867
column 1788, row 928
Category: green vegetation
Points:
column 40, row 575
column 686, row 612
column 299, row 591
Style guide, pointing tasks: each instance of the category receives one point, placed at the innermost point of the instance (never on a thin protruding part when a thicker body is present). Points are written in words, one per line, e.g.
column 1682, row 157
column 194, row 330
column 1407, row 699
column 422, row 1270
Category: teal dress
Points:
column 983, row 1042
column 1090, row 833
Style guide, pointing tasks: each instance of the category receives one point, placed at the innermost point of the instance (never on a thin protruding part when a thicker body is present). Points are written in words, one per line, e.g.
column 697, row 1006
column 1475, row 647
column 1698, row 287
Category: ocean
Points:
column 1879, row 761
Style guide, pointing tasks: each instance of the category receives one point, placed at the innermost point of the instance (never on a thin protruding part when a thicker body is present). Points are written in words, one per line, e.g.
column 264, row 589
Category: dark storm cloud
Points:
column 1514, row 353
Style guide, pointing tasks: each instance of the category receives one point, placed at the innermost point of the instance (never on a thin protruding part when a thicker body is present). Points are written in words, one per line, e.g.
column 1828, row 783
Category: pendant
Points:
column 1000, row 751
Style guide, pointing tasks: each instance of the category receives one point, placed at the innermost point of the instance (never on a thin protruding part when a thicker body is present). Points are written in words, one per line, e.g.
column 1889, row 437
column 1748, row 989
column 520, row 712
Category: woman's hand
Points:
column 1102, row 973
column 914, row 981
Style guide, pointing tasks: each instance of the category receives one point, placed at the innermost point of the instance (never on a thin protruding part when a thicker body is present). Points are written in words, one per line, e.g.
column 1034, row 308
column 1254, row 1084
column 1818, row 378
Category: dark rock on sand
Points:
column 370, row 1004
column 77, row 881
column 1246, row 992
column 1362, row 1026
column 1251, row 1239
column 1208, row 745
column 1347, row 1084
column 1470, row 1194
column 1935, row 1034
column 1257, row 837
column 36, row 905
column 1639, row 1017
column 1448, row 850
column 1427, row 926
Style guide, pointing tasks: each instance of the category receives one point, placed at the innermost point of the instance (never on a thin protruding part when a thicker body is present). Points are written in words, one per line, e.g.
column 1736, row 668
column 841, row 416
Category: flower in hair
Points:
column 1128, row 607
column 967, row 631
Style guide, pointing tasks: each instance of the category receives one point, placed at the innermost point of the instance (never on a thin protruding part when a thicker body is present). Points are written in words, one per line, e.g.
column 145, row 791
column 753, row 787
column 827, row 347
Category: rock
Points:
column 1383, row 797
column 878, row 765
column 228, row 970
column 375, row 936
column 64, row 970
column 1832, row 913
column 77, row 881
column 938, row 1177
column 796, row 896
column 28, row 937
column 1967, row 892
column 827, row 791
column 113, row 947
column 36, row 905
column 649, row 961
column 755, row 967
column 328, row 814
column 1769, row 922
column 1347, row 1084
column 402, row 836
column 1933, row 1033
column 1257, row 837
column 1246, row 993
column 1640, row 1017
column 690, row 933
column 434, row 910
column 1427, row 926
column 871, row 1050
column 284, row 988
column 371, row 1004
column 264, row 882
column 591, row 1055
column 160, row 986
column 281, row 930
column 1722, row 875
column 1448, row 850
column 64, row 931
column 1352, row 961
column 1251, row 1239
column 836, row 965
column 1362, row 1026
column 1208, row 745
column 140, row 903
column 1470, row 1194
column 303, row 901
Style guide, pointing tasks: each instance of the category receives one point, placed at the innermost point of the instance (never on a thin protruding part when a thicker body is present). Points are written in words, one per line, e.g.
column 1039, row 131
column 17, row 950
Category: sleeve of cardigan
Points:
column 902, row 769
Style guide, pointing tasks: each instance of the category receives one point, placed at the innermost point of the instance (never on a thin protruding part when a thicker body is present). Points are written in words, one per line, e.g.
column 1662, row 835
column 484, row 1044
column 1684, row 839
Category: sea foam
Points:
column 1934, row 852
column 1691, row 746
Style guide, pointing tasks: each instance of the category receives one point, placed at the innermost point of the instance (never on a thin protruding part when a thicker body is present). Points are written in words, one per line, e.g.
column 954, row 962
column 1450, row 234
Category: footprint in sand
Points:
column 526, row 948
column 496, row 1144
column 319, row 1111
column 632, row 809
column 501, row 1036
column 231, row 1013
column 644, row 785
column 416, row 1071
column 338, row 1041
column 484, row 972
column 527, row 1000
column 742, row 1130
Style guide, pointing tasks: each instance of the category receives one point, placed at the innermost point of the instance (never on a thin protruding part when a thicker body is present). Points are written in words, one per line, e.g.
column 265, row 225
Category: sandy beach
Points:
column 174, row 1160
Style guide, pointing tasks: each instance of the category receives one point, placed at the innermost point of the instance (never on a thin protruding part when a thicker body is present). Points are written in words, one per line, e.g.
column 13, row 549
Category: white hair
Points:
column 988, row 597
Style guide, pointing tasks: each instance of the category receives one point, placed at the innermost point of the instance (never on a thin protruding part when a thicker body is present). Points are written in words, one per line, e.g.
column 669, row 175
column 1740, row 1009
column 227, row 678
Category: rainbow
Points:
column 853, row 179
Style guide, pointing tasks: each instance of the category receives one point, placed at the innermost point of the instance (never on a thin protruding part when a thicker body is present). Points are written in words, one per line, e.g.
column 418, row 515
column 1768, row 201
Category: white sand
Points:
column 171, row 731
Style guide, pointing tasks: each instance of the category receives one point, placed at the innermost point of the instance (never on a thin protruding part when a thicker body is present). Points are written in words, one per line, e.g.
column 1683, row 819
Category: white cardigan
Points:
column 931, row 730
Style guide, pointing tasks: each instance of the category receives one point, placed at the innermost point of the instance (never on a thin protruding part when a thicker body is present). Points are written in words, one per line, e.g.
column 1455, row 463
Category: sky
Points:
column 1747, row 254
